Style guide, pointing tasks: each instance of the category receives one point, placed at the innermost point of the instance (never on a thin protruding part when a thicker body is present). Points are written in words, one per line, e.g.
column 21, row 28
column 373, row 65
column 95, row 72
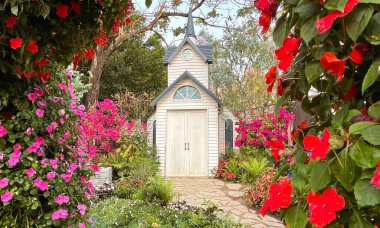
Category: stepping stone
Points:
column 236, row 194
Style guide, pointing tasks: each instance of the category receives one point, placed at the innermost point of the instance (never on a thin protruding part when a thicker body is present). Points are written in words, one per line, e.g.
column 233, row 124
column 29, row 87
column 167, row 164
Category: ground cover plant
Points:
column 328, row 53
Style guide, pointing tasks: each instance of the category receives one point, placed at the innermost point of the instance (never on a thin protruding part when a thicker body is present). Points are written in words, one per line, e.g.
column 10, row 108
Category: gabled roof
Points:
column 180, row 78
column 205, row 51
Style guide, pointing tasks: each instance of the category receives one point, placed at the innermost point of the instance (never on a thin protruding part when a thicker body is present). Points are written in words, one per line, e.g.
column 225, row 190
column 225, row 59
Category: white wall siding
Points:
column 206, row 103
column 197, row 66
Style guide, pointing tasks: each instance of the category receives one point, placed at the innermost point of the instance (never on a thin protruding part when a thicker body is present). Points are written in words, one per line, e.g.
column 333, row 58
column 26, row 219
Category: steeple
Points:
column 190, row 26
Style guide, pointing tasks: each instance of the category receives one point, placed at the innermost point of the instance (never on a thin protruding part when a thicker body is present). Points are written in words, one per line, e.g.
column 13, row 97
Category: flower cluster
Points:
column 262, row 130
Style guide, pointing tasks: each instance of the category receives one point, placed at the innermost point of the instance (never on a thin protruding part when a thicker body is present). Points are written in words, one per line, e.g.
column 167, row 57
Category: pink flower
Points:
column 29, row 131
column 81, row 209
column 49, row 129
column 3, row 131
column 66, row 177
column 56, row 99
column 50, row 175
column 42, row 103
column 59, row 214
column 42, row 185
column 4, row 182
column 87, row 195
column 60, row 199
column 95, row 168
column 54, row 163
column 62, row 86
column 40, row 112
column 6, row 196
column 38, row 92
column 81, row 225
column 32, row 97
column 61, row 112
column 1, row 156
column 30, row 172
column 44, row 162
column 13, row 161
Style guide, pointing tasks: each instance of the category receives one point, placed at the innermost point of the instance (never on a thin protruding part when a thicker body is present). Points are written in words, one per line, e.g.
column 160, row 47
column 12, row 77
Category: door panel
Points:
column 197, row 143
column 176, row 144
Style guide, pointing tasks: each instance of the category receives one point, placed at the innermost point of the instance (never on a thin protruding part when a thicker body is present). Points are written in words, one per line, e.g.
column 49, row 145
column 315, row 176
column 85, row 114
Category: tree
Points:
column 240, row 59
column 142, row 71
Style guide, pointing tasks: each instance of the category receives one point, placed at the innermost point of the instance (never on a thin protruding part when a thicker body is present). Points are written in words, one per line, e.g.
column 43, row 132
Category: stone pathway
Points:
column 228, row 196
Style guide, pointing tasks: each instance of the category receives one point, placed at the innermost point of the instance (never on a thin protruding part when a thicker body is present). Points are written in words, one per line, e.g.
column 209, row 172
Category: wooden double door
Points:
column 187, row 150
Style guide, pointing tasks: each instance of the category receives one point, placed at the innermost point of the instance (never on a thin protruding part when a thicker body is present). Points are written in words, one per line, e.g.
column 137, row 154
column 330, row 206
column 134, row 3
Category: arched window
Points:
column 187, row 93
column 229, row 134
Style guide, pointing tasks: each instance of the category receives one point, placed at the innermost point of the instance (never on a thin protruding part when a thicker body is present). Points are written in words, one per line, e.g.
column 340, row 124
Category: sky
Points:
column 229, row 8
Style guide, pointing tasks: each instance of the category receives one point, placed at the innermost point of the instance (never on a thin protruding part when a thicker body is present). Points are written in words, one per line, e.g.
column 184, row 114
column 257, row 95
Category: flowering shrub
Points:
column 329, row 61
column 228, row 169
column 260, row 131
column 259, row 193
column 44, row 176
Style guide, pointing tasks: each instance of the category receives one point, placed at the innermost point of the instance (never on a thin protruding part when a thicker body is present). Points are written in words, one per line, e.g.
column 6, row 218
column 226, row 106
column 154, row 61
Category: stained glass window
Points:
column 187, row 93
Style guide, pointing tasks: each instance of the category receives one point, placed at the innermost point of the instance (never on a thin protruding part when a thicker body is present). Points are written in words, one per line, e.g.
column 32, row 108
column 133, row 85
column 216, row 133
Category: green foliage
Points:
column 115, row 212
column 252, row 168
column 156, row 189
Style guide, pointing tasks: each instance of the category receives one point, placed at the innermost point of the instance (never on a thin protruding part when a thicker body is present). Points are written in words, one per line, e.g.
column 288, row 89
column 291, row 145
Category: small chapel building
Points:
column 190, row 128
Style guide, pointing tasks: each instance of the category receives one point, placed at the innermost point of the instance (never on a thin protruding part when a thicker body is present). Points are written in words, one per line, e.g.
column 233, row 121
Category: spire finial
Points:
column 190, row 26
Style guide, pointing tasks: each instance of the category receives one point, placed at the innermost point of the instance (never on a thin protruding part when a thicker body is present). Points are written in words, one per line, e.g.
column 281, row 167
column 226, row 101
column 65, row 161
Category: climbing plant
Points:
column 328, row 59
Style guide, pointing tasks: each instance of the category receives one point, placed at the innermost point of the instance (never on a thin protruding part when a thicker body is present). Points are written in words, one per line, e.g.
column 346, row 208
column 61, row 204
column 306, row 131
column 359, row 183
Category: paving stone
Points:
column 233, row 186
column 236, row 194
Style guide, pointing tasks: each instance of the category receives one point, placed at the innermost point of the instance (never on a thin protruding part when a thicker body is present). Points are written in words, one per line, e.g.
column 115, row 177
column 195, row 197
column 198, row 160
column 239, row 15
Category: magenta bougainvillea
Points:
column 261, row 130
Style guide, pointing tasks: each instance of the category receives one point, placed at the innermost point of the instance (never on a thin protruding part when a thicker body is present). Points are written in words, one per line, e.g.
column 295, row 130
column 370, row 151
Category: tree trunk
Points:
column 95, row 72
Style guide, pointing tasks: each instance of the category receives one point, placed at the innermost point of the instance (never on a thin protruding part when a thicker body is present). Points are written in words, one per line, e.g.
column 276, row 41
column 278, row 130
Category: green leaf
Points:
column 307, row 9
column 280, row 31
column 366, row 194
column 300, row 184
column 350, row 114
column 296, row 217
column 372, row 75
column 45, row 10
column 372, row 31
column 313, row 71
column 344, row 169
column 308, row 30
column 337, row 120
column 320, row 176
column 14, row 10
column 372, row 134
column 357, row 128
column 335, row 5
column 357, row 221
column 148, row 3
column 374, row 110
column 370, row 1
column 357, row 20
column 364, row 155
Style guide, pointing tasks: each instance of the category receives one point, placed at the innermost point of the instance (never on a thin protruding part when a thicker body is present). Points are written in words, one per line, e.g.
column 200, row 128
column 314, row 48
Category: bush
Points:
column 127, row 187
column 115, row 212
column 258, row 194
column 156, row 189
column 252, row 168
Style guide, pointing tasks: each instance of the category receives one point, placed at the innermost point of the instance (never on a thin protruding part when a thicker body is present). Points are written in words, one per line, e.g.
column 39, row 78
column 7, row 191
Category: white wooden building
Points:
column 188, row 126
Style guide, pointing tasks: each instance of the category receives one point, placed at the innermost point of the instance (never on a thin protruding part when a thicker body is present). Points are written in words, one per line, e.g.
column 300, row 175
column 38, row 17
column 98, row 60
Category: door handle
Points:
column 188, row 146
column 185, row 146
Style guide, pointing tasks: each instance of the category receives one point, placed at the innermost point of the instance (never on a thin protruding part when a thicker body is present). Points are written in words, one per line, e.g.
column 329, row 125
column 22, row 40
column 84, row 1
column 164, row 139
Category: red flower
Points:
column 323, row 207
column 326, row 22
column 62, row 11
column 270, row 78
column 376, row 178
column 41, row 63
column 364, row 111
column 280, row 88
column 12, row 20
column 279, row 196
column 351, row 93
column 358, row 52
column 15, row 42
column 101, row 39
column 333, row 65
column 268, row 10
column 32, row 47
column 231, row 176
column 89, row 53
column 42, row 75
column 277, row 149
column 75, row 6
column 27, row 74
column 286, row 53
column 116, row 26
column 76, row 61
column 301, row 126
column 318, row 146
